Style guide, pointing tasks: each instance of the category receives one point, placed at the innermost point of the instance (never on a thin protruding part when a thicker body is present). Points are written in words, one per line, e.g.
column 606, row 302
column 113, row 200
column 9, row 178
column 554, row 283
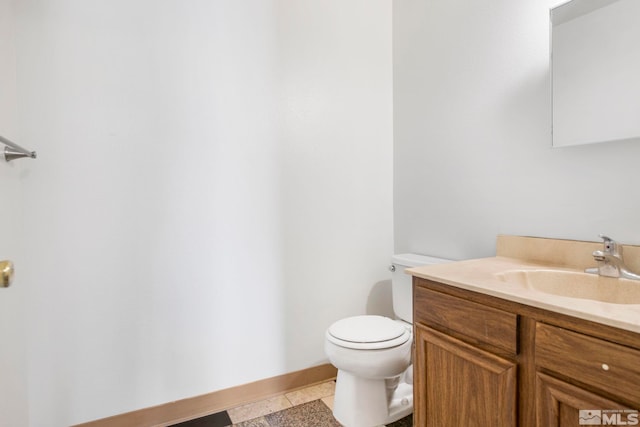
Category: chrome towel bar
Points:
column 14, row 151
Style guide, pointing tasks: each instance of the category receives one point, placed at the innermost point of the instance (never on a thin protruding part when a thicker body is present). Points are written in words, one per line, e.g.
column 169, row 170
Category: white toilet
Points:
column 373, row 356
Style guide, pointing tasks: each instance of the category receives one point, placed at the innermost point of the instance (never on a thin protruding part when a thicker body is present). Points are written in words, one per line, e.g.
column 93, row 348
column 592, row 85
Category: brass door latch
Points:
column 6, row 274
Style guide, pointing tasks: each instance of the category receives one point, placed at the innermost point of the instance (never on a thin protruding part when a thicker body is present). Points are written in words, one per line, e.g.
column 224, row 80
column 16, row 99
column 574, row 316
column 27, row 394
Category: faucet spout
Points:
column 611, row 262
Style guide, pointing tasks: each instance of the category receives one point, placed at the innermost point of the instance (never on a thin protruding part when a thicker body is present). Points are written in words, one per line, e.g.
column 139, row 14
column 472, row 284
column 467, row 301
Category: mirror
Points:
column 595, row 71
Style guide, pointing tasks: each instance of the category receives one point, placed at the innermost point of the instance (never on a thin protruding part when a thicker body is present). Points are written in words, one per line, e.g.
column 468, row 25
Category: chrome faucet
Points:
column 610, row 261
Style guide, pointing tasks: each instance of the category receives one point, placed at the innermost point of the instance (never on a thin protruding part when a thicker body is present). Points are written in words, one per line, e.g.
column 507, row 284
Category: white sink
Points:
column 575, row 285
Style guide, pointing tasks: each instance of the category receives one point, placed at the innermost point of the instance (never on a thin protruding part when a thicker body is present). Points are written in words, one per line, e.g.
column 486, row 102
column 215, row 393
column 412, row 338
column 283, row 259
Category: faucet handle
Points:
column 610, row 245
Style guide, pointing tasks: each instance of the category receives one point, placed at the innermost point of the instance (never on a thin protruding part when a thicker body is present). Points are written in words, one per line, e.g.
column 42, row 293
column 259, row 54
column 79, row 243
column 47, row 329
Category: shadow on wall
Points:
column 379, row 301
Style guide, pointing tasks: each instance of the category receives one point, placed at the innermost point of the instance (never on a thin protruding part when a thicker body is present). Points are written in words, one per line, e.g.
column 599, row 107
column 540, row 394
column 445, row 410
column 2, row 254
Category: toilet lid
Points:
column 368, row 332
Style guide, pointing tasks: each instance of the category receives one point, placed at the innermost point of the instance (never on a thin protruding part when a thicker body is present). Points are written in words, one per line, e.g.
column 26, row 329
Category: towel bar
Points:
column 14, row 151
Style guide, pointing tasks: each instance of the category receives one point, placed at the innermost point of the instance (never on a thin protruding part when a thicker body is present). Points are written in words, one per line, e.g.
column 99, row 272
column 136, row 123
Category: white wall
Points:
column 13, row 380
column 336, row 165
column 213, row 189
column 472, row 139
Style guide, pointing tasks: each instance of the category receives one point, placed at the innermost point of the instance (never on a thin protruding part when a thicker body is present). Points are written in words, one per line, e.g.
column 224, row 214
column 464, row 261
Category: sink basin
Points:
column 576, row 285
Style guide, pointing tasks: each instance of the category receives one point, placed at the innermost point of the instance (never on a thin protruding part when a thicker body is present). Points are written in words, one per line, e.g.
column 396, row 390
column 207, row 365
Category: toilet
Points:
column 373, row 356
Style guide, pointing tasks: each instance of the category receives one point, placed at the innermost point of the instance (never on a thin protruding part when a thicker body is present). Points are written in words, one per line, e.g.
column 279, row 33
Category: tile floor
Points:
column 308, row 407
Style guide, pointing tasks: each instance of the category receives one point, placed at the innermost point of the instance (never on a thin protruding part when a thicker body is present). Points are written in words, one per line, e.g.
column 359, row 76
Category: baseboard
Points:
column 210, row 403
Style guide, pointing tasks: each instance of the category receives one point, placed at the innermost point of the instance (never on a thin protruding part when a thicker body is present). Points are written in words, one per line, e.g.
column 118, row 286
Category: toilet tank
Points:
column 401, row 285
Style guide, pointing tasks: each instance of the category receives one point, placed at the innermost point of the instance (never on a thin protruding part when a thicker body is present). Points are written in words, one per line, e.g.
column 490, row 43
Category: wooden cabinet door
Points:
column 457, row 384
column 560, row 404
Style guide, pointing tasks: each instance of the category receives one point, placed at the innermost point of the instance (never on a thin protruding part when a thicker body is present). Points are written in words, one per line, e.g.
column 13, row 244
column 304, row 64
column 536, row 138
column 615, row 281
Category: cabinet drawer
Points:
column 478, row 322
column 604, row 365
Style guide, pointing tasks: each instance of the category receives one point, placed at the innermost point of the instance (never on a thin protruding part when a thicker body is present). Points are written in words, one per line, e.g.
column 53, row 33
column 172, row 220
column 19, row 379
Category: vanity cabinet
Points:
column 479, row 390
column 559, row 403
column 601, row 365
column 465, row 369
column 484, row 361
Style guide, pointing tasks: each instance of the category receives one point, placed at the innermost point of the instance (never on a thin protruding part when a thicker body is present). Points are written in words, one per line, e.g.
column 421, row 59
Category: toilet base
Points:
column 362, row 402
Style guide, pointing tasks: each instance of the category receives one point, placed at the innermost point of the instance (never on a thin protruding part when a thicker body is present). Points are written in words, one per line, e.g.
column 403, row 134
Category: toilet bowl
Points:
column 372, row 353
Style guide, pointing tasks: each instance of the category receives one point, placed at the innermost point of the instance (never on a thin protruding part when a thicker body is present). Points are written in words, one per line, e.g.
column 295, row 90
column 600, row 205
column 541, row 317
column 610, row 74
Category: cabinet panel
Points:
column 560, row 404
column 481, row 323
column 604, row 365
column 460, row 385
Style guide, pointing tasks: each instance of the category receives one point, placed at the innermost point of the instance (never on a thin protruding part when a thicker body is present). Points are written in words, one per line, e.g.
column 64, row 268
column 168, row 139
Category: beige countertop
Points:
column 481, row 275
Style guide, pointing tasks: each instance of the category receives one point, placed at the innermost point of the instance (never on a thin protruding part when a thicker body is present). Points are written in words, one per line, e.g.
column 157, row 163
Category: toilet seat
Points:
column 368, row 333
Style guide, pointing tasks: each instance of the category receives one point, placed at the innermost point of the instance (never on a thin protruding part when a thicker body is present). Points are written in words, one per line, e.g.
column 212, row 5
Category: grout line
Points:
column 289, row 400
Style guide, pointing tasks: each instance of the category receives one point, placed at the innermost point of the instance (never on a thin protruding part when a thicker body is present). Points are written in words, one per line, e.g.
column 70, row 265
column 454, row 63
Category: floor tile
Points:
column 258, row 409
column 309, row 407
column 256, row 422
column 221, row 419
column 312, row 393
column 328, row 401
column 314, row 414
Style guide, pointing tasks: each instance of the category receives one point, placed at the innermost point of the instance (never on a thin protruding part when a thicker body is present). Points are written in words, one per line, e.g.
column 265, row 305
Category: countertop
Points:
column 479, row 275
